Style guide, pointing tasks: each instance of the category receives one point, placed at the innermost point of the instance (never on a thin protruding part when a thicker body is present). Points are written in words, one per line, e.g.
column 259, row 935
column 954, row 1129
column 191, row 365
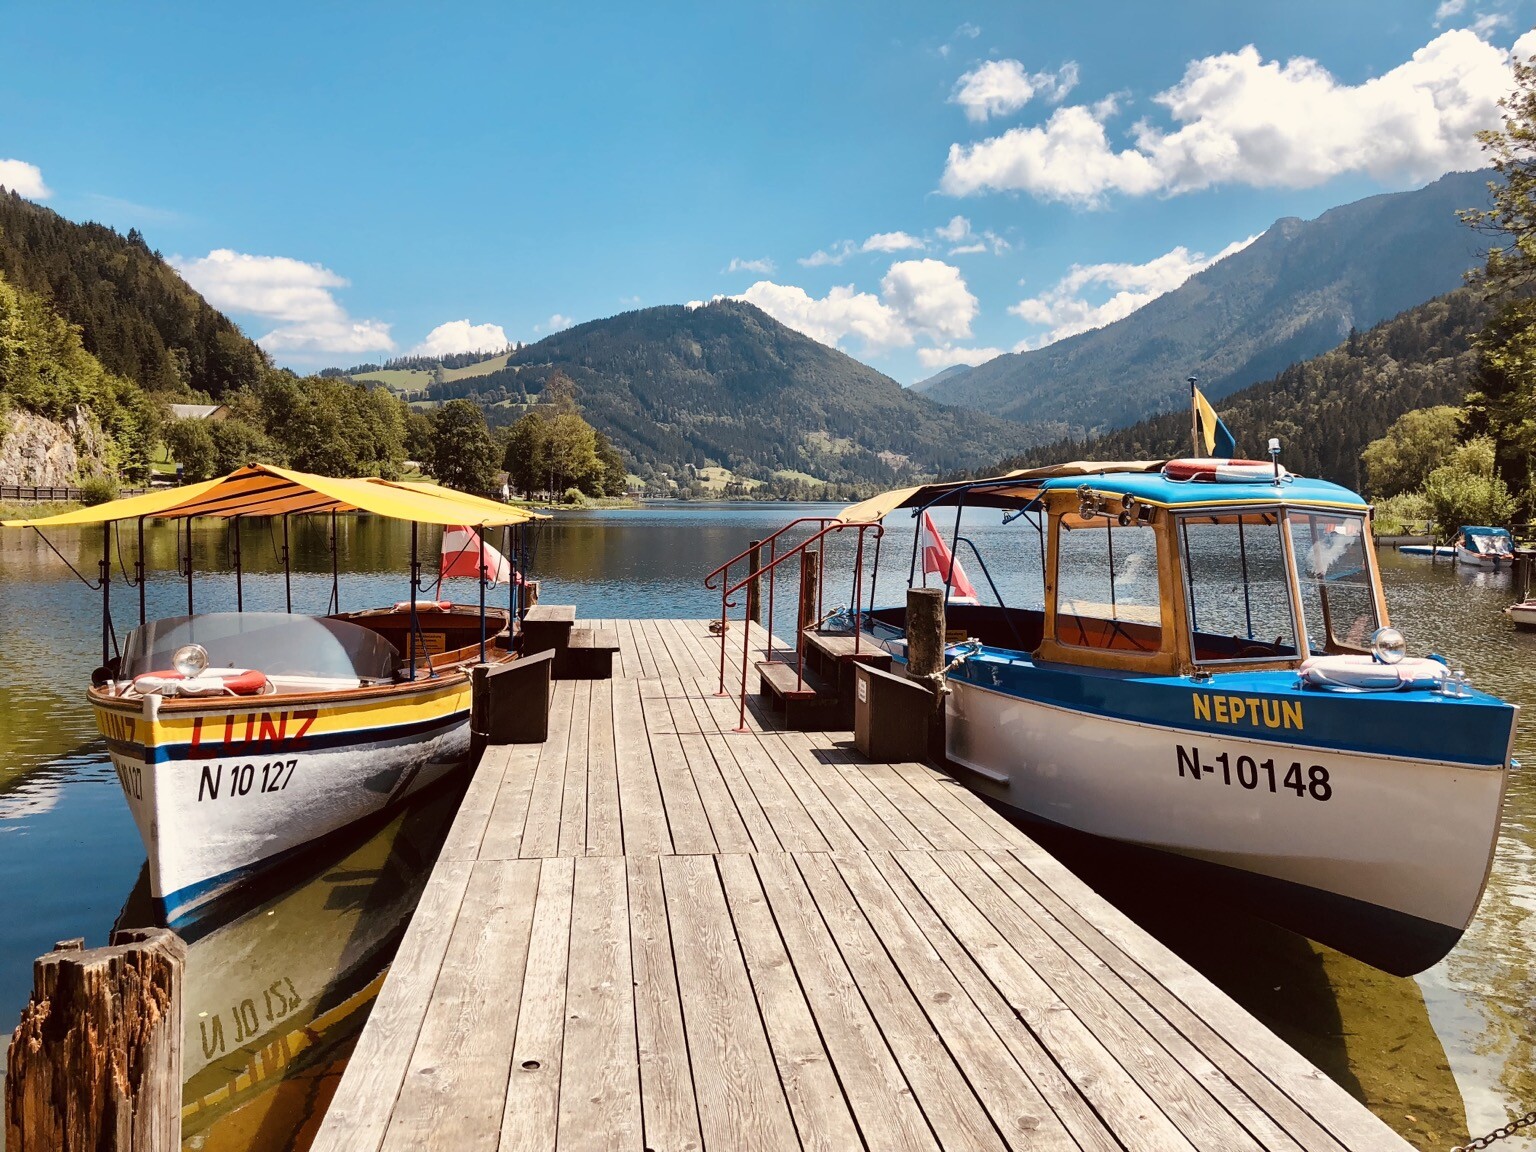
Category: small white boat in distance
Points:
column 1430, row 550
column 1523, row 615
column 1485, row 547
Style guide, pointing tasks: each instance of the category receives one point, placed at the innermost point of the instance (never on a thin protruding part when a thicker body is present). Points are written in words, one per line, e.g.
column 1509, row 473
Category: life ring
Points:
column 1371, row 675
column 425, row 606
column 210, row 682
column 1222, row 471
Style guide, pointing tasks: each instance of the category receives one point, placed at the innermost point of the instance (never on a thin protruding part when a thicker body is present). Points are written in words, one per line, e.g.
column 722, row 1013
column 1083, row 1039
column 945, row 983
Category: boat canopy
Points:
column 275, row 642
column 267, row 490
column 1499, row 533
column 1143, row 479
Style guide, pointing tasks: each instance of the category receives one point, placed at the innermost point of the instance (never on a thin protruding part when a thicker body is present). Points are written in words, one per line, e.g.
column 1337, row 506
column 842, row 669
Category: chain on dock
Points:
column 1501, row 1133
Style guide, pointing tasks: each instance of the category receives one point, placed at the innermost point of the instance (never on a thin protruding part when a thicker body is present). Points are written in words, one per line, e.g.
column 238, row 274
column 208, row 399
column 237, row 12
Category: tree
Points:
column 1417, row 443
column 1503, row 406
column 418, row 434
column 524, row 458
column 615, row 475
column 570, row 453
column 237, row 443
column 1467, row 490
column 463, row 454
column 191, row 445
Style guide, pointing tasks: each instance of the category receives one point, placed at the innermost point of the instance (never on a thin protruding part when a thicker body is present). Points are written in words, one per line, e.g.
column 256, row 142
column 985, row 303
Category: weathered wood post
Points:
column 531, row 592
column 809, row 568
column 925, row 655
column 755, row 584
column 95, row 1064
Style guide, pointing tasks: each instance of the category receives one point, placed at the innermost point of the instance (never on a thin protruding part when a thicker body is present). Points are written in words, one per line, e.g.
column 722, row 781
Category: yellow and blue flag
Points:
column 1210, row 432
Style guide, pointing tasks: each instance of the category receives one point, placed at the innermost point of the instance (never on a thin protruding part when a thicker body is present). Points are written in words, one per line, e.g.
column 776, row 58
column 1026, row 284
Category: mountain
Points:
column 1294, row 292
column 1324, row 410
column 726, row 385
column 941, row 376
column 136, row 316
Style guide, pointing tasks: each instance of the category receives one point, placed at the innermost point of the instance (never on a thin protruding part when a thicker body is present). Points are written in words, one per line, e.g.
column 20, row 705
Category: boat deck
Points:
column 655, row 932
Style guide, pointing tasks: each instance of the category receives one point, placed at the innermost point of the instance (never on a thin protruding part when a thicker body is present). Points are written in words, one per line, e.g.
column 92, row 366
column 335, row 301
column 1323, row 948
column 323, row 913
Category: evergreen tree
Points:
column 463, row 452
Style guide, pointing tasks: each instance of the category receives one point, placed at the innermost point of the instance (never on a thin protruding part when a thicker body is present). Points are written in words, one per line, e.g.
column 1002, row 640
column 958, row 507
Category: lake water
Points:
column 275, row 997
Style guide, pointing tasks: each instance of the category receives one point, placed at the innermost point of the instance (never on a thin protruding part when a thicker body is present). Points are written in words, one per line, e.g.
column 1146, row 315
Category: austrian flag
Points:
column 937, row 561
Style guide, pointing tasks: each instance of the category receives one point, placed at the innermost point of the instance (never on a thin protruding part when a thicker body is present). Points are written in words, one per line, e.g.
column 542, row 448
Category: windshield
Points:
column 1237, row 587
column 271, row 642
column 1338, row 597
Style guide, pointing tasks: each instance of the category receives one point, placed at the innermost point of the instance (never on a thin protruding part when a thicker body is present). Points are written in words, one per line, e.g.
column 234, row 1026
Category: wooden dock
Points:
column 653, row 932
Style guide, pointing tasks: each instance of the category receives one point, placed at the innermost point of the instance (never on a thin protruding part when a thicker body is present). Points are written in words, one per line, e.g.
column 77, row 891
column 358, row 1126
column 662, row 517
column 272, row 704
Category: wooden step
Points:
column 588, row 655
column 808, row 702
column 841, row 646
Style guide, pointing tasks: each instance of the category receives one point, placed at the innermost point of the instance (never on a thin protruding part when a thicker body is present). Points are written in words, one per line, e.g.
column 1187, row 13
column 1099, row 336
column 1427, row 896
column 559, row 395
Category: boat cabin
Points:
column 1145, row 571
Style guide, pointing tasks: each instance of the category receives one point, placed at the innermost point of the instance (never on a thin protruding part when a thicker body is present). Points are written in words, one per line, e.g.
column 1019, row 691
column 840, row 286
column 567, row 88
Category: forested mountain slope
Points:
column 1294, row 292
column 135, row 314
column 725, row 384
column 1324, row 410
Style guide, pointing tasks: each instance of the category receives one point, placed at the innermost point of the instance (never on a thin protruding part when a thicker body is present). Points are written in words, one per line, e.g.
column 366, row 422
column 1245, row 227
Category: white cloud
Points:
column 918, row 298
column 295, row 294
column 890, row 242
column 965, row 241
column 957, row 230
column 24, row 179
column 1488, row 22
column 1002, row 87
column 762, row 267
column 931, row 298
column 1525, row 47
column 834, row 254
column 555, row 323
column 841, row 313
column 948, row 355
column 1245, row 120
column 1065, row 309
column 462, row 336
column 1447, row 9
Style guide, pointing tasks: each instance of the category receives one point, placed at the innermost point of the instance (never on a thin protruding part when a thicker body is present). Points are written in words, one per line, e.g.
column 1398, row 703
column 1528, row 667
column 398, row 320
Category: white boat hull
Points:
column 1410, row 840
column 1498, row 561
column 1523, row 615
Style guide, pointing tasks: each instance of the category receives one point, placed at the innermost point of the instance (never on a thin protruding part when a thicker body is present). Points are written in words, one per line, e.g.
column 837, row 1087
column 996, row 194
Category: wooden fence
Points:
column 40, row 494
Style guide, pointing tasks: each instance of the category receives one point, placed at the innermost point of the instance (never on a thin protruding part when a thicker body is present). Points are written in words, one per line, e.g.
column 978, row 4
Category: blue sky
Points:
column 919, row 183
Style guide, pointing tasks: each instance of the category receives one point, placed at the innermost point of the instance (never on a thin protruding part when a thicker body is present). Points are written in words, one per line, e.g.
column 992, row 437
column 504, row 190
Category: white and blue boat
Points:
column 1485, row 547
column 1208, row 672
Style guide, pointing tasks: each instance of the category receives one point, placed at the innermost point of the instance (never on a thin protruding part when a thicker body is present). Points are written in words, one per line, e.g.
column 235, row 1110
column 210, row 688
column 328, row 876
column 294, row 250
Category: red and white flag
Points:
column 936, row 562
column 465, row 553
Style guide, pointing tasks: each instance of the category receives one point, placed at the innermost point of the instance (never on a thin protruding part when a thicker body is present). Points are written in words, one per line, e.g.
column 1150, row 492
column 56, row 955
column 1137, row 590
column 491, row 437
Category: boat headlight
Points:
column 190, row 660
column 1388, row 645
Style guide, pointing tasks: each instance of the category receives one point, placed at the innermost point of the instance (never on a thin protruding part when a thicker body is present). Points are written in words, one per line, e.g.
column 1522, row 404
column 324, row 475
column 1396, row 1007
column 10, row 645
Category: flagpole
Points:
column 1194, row 416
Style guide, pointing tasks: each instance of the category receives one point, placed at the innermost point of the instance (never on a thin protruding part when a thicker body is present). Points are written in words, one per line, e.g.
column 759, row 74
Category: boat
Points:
column 241, row 739
column 1485, row 547
column 1522, row 615
column 1430, row 550
column 1209, row 676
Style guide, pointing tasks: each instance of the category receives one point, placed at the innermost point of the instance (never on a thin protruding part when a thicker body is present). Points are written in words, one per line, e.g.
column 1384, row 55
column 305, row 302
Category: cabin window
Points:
column 1338, row 597
column 1237, row 587
column 1107, row 587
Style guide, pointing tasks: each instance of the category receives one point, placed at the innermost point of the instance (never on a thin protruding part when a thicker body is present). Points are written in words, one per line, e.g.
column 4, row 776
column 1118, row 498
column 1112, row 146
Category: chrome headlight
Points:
column 1388, row 645
column 190, row 660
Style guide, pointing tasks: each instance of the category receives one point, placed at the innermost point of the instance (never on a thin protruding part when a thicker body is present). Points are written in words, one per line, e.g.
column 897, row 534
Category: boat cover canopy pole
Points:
column 189, row 568
column 239, row 576
column 287, row 569
column 510, row 578
column 335, row 601
column 138, row 572
column 106, row 594
column 410, row 644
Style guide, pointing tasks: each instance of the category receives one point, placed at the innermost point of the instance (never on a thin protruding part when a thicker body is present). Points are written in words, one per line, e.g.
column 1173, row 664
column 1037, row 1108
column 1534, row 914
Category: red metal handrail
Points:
column 829, row 526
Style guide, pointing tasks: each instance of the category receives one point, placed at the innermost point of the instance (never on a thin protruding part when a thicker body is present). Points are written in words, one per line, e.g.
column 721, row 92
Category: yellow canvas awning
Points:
column 1008, row 490
column 267, row 490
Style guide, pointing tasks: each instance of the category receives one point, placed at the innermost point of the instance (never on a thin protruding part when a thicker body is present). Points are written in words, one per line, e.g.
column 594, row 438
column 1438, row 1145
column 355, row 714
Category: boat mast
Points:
column 105, row 570
column 287, row 568
column 239, row 580
column 138, row 571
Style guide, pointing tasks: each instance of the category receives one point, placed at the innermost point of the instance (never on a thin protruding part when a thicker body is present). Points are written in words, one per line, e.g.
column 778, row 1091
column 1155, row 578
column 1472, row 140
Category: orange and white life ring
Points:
column 1365, row 673
column 1222, row 471
column 210, row 682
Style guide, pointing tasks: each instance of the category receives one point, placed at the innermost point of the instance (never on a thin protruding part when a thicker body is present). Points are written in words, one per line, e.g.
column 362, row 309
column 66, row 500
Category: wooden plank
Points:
column 541, row 832
column 1076, row 1113
column 829, row 822
column 605, row 830
column 1096, row 1071
column 967, row 811
column 679, row 793
column 455, row 1083
column 862, row 820
column 759, row 827
column 838, row 755
column 872, row 1081
column 741, row 1102
column 1018, row 1111
column 644, row 817
column 359, row 1112
column 948, row 1101
column 794, row 827
column 810, row 1083
column 725, row 822
column 531, row 1115
column 661, row 656
column 573, row 807
column 600, row 1072
column 1074, row 970
column 937, row 828
column 468, row 830
column 668, row 1106
column 503, row 838
column 633, row 639
column 1288, row 1089
column 1180, row 1095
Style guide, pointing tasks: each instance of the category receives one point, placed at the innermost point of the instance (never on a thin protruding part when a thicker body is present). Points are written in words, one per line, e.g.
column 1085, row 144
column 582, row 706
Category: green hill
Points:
column 1324, row 410
column 135, row 314
column 726, row 385
column 1294, row 292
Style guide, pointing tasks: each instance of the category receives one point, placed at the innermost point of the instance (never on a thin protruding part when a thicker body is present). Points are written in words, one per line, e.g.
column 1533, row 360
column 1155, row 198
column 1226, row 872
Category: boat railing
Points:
column 1018, row 641
column 810, row 603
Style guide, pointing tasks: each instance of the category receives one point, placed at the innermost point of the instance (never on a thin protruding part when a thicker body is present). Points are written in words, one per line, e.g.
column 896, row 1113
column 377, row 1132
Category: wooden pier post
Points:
column 95, row 1064
column 809, row 568
column 755, row 584
column 925, row 655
